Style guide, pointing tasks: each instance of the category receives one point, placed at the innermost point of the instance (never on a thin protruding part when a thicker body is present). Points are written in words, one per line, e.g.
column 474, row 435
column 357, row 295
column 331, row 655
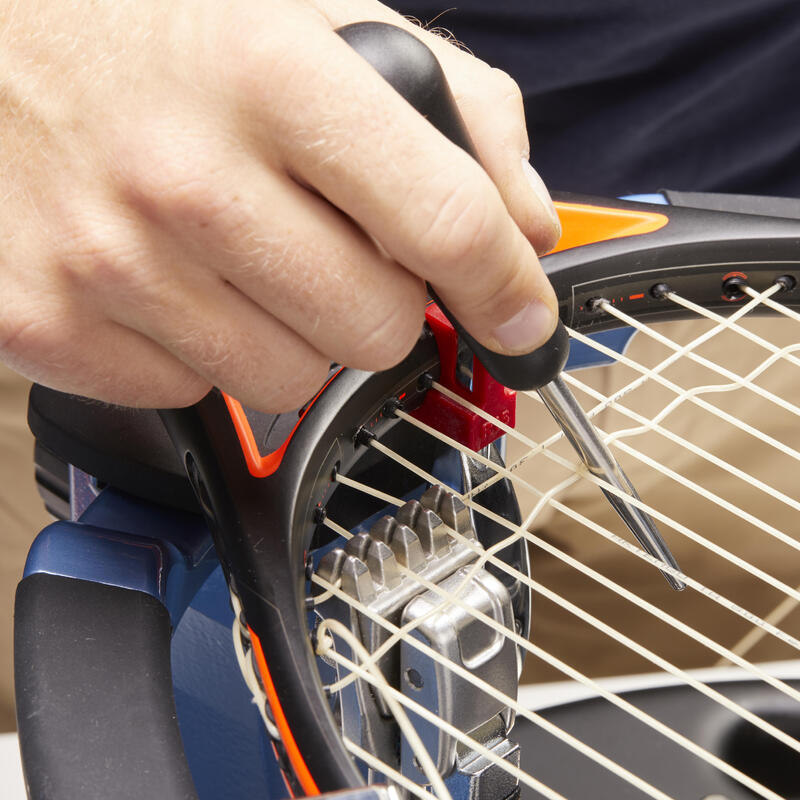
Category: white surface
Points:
column 13, row 787
column 537, row 696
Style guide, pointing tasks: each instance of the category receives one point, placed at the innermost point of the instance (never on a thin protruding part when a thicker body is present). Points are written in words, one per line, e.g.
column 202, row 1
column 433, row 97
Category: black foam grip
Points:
column 95, row 706
column 411, row 69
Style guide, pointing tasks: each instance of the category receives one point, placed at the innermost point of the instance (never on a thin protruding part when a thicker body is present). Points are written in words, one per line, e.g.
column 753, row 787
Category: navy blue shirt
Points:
column 626, row 96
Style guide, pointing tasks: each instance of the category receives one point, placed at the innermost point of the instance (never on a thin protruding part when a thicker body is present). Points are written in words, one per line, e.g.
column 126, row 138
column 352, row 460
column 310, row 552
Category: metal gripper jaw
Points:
column 420, row 570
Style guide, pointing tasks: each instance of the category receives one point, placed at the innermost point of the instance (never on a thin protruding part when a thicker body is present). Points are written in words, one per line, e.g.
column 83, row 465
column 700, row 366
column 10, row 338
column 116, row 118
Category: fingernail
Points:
column 527, row 329
column 540, row 190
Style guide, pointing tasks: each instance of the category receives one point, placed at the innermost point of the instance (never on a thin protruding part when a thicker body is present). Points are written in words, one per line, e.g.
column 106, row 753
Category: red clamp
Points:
column 450, row 417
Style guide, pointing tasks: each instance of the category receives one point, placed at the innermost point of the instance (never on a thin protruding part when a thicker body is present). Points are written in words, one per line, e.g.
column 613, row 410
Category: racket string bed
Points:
column 606, row 533
column 772, row 730
column 660, row 662
column 489, row 556
column 656, row 424
column 399, row 634
column 452, row 597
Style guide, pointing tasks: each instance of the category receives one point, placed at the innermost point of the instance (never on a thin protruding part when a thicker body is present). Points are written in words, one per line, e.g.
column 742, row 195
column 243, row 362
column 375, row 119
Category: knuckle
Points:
column 511, row 278
column 31, row 337
column 161, row 385
column 509, row 112
column 173, row 181
column 463, row 223
column 95, row 255
column 181, row 392
column 504, row 293
column 261, row 65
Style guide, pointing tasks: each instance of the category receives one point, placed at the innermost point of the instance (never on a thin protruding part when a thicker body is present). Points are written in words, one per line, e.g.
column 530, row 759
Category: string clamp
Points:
column 470, row 380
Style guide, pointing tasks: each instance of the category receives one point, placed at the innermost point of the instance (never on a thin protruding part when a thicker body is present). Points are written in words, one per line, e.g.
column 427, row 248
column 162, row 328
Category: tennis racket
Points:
column 377, row 548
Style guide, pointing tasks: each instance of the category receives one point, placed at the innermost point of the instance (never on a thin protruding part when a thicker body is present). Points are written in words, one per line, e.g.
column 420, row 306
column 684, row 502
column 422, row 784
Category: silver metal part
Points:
column 599, row 460
column 457, row 634
column 479, row 778
column 374, row 569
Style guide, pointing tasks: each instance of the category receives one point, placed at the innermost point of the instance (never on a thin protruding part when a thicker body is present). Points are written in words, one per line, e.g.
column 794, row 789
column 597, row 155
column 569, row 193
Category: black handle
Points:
column 413, row 71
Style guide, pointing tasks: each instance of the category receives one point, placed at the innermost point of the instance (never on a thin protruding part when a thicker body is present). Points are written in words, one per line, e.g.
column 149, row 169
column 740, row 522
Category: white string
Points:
column 612, row 633
column 789, row 603
column 728, row 655
column 737, row 381
column 325, row 648
column 643, row 378
column 763, row 626
column 754, row 636
column 723, row 323
column 692, row 398
column 382, row 767
column 325, row 596
column 679, row 350
column 618, row 701
column 451, row 730
column 408, row 627
column 770, row 303
column 749, row 335
column 721, row 600
column 259, row 696
column 387, row 498
column 680, row 528
column 648, row 424
column 693, row 535
column 511, row 703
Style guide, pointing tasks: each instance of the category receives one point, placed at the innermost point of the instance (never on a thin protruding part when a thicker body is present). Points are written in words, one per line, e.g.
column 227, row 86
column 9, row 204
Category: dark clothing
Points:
column 627, row 96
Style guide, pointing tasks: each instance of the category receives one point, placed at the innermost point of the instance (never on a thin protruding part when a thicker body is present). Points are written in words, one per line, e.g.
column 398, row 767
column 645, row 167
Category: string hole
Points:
column 733, row 286
column 786, row 282
column 595, row 303
column 414, row 678
column 425, row 382
column 364, row 437
column 391, row 407
column 660, row 290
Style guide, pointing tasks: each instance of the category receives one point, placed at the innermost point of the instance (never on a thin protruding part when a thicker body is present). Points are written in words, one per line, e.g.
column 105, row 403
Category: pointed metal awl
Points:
column 598, row 459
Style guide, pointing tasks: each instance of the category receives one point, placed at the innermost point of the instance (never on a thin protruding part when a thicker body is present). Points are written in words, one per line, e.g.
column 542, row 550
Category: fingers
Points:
column 151, row 287
column 433, row 208
column 499, row 137
column 225, row 338
column 158, row 360
column 325, row 279
column 291, row 253
column 491, row 104
column 256, row 203
column 91, row 356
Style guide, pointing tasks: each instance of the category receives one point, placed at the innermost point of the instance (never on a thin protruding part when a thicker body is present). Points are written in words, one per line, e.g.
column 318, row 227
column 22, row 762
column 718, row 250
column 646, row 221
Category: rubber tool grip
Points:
column 95, row 704
column 413, row 71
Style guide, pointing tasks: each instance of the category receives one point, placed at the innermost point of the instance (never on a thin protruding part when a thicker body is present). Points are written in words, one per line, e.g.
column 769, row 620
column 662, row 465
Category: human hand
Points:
column 205, row 193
